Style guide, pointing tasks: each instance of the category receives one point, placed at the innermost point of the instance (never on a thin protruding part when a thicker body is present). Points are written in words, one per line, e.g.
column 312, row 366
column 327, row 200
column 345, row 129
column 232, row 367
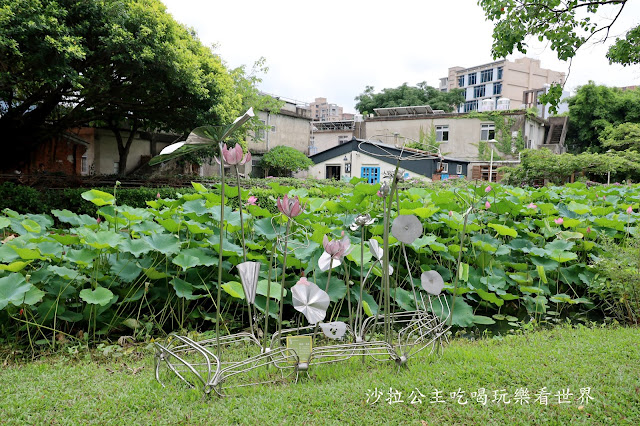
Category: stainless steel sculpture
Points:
column 240, row 360
column 309, row 299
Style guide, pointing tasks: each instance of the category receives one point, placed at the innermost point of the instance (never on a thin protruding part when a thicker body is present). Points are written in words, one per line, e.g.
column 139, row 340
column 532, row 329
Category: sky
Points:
column 335, row 49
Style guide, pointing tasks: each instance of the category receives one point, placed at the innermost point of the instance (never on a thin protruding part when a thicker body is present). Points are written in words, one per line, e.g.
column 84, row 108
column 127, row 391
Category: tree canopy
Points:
column 406, row 95
column 284, row 160
column 566, row 24
column 595, row 108
column 125, row 64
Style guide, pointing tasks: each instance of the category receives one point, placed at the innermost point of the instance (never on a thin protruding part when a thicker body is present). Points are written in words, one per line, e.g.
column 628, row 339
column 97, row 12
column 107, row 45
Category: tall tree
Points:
column 126, row 64
column 595, row 108
column 566, row 24
column 406, row 95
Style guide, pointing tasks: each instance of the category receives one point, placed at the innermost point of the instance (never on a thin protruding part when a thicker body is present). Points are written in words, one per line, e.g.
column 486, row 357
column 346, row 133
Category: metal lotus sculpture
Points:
column 406, row 333
column 310, row 300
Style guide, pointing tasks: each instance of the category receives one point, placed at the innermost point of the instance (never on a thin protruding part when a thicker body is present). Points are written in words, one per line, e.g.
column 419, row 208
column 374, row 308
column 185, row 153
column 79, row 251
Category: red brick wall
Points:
column 60, row 155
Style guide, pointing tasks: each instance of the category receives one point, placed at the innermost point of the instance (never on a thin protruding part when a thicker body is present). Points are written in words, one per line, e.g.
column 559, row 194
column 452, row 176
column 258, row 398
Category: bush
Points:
column 284, row 160
column 619, row 288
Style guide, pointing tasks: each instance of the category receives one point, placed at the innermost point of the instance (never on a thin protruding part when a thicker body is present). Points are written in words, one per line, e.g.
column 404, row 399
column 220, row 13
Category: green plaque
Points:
column 302, row 345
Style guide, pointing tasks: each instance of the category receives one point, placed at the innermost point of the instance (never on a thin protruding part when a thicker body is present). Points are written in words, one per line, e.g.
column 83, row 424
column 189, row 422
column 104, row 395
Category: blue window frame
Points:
column 371, row 174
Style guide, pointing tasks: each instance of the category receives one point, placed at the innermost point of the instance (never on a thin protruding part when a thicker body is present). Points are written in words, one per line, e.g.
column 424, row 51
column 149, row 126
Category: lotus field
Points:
column 527, row 254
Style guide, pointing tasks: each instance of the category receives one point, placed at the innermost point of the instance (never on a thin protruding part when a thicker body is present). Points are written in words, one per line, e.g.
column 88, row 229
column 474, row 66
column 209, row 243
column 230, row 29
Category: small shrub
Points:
column 619, row 289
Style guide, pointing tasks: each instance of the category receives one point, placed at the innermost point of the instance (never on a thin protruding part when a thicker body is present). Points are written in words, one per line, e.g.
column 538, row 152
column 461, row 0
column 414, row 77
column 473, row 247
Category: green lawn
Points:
column 607, row 360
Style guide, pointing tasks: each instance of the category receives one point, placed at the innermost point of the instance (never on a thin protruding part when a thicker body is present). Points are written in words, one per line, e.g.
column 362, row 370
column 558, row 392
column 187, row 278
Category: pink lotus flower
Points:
column 290, row 207
column 252, row 200
column 488, row 188
column 234, row 156
column 450, row 213
column 334, row 251
column 559, row 221
column 588, row 229
column 379, row 194
column 487, row 205
column 158, row 196
column 303, row 281
column 532, row 206
column 99, row 219
column 629, row 210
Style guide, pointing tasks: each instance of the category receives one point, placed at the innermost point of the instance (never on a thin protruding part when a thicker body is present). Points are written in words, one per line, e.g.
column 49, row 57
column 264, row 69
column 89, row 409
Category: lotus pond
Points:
column 528, row 254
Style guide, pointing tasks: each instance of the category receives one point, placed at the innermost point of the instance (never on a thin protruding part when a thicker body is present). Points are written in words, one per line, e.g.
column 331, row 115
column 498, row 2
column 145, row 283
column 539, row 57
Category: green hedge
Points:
column 25, row 199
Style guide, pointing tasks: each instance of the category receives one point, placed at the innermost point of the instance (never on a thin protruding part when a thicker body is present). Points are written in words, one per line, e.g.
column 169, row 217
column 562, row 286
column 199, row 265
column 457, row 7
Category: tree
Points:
column 541, row 164
column 406, row 95
column 595, row 108
column 622, row 136
column 284, row 160
column 566, row 24
column 125, row 64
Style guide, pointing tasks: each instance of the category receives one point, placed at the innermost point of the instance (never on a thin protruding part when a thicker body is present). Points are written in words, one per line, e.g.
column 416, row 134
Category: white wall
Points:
column 357, row 160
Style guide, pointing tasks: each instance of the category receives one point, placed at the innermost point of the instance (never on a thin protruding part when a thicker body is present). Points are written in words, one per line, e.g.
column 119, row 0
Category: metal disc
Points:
column 432, row 282
column 406, row 228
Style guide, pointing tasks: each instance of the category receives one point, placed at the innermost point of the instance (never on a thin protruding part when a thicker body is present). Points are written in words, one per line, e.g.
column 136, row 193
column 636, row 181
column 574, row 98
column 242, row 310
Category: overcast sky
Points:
column 334, row 49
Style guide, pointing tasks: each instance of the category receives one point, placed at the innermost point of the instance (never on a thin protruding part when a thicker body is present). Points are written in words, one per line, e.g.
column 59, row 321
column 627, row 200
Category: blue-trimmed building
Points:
column 372, row 159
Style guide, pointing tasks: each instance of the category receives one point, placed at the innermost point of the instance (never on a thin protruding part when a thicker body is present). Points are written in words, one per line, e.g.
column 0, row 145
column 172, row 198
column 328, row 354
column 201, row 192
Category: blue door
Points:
column 371, row 174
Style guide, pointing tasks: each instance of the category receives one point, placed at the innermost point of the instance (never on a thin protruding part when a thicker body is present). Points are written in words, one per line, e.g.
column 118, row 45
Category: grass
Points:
column 78, row 391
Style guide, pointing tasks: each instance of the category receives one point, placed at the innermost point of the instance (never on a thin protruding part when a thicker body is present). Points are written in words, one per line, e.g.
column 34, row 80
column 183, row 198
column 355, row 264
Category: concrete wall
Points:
column 464, row 132
column 326, row 139
column 104, row 151
column 525, row 74
column 357, row 161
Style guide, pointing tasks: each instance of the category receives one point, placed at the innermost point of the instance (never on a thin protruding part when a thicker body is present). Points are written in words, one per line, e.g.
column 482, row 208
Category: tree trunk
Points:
column 123, row 147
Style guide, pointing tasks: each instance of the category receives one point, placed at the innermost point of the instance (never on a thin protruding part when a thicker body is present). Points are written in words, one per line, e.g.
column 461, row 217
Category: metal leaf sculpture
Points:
column 311, row 300
column 334, row 330
column 406, row 228
column 378, row 253
column 432, row 282
column 249, row 276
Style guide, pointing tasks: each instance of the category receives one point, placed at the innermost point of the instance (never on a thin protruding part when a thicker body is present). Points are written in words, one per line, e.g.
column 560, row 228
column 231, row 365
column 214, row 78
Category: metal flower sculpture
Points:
column 378, row 253
column 334, row 251
column 361, row 221
column 310, row 299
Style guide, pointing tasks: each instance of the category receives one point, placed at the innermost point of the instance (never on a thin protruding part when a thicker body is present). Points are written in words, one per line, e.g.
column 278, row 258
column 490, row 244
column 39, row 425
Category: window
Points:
column 343, row 139
column 471, row 79
column 499, row 73
column 116, row 167
column 485, row 173
column 486, row 75
column 479, row 91
column 84, row 165
column 471, row 105
column 497, row 88
column 260, row 132
column 312, row 141
column 488, row 132
column 461, row 81
column 273, row 129
column 371, row 174
column 442, row 133
column 445, row 168
column 458, row 169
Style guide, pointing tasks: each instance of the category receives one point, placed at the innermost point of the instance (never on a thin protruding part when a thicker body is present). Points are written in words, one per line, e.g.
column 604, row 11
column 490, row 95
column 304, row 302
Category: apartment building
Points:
column 321, row 110
column 497, row 80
